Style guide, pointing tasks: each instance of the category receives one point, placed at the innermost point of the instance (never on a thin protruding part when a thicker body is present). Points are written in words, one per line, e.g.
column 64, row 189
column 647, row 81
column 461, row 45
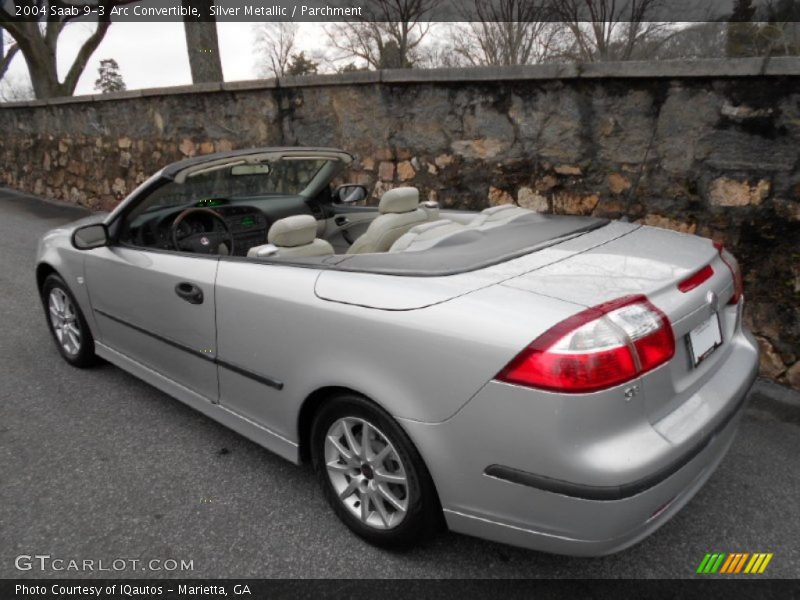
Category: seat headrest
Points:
column 298, row 230
column 399, row 200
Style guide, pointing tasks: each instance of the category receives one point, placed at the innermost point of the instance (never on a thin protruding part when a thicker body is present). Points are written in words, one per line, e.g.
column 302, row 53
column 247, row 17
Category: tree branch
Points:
column 84, row 54
column 6, row 60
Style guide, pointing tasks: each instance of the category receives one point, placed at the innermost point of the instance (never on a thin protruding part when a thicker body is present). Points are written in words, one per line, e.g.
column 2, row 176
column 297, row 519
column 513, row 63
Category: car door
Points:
column 158, row 309
column 264, row 320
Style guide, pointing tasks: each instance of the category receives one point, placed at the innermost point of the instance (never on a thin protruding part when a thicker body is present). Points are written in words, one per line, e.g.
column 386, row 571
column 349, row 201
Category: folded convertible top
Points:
column 471, row 249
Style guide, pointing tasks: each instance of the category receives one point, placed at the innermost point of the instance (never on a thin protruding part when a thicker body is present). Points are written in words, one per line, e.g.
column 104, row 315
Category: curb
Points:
column 780, row 401
column 22, row 199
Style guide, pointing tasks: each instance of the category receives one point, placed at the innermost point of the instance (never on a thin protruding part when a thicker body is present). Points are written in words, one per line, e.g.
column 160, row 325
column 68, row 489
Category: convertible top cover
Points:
column 468, row 250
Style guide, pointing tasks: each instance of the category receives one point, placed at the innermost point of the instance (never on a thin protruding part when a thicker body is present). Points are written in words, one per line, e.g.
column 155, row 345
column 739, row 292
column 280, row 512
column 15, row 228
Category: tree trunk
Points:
column 6, row 57
column 39, row 50
column 202, row 43
column 43, row 78
column 41, row 61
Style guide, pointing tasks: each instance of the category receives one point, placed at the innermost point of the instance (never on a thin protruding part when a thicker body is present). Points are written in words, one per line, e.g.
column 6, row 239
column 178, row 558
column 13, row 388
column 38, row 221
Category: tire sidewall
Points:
column 86, row 356
column 423, row 505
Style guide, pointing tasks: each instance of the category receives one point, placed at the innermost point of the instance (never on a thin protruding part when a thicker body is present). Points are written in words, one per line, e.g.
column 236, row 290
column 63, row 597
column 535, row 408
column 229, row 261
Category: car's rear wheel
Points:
column 67, row 324
column 371, row 474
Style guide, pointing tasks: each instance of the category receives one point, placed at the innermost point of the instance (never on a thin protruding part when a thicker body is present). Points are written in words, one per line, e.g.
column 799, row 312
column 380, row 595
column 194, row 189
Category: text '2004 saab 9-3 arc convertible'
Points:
column 555, row 382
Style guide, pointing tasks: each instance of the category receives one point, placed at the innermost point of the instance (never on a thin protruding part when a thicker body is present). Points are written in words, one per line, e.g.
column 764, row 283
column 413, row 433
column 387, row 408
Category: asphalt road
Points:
column 95, row 464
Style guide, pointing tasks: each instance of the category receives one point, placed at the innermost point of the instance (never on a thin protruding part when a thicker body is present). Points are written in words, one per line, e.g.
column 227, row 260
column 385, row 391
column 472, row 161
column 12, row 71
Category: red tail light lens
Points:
column 733, row 265
column 595, row 349
column 697, row 279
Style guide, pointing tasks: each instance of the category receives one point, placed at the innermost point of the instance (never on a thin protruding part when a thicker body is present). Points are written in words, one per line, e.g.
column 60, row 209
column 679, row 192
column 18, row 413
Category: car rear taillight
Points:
column 595, row 349
column 697, row 279
column 733, row 265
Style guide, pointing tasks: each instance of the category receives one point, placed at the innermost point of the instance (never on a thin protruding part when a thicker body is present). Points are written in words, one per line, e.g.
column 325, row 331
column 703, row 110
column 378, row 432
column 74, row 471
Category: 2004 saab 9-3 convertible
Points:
column 555, row 382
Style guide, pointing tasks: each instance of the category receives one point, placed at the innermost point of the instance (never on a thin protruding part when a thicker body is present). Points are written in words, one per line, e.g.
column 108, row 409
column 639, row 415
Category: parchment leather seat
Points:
column 499, row 215
column 421, row 237
column 294, row 236
column 399, row 211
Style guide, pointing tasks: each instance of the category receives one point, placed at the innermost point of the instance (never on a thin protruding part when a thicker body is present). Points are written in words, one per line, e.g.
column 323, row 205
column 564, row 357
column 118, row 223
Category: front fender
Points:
column 55, row 253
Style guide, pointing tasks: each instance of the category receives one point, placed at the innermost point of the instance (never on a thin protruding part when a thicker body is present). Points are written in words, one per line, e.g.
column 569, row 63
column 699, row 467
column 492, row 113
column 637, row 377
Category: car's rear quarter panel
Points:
column 598, row 440
column 418, row 364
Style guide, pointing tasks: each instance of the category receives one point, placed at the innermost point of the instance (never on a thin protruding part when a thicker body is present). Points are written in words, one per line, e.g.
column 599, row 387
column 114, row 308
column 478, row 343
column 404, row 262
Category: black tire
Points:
column 85, row 356
column 423, row 517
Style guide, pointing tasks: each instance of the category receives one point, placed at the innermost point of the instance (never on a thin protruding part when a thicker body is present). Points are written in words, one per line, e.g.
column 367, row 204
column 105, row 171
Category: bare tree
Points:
column 275, row 44
column 7, row 52
column 37, row 42
column 698, row 40
column 742, row 31
column 439, row 49
column 779, row 35
column 389, row 35
column 779, row 38
column 505, row 32
column 15, row 89
column 771, row 29
column 202, row 42
column 604, row 30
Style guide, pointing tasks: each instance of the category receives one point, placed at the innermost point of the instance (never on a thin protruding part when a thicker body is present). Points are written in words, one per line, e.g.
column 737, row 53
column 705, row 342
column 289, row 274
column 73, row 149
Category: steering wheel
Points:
column 205, row 242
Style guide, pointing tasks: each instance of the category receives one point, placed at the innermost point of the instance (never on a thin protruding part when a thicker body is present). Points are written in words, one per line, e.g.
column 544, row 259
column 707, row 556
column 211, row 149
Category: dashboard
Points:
column 248, row 226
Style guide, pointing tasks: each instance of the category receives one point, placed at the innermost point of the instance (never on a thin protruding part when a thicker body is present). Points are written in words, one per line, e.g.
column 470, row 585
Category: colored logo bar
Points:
column 734, row 563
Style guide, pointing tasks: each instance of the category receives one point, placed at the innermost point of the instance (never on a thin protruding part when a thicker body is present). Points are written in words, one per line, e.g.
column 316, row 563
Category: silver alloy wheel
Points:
column 366, row 472
column 65, row 323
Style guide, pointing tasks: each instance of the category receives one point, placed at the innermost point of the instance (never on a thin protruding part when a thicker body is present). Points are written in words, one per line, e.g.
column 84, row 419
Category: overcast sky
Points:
column 154, row 54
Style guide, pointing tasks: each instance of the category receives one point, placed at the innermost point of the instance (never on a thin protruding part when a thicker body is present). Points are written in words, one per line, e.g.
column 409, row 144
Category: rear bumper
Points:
column 634, row 518
column 532, row 470
column 615, row 492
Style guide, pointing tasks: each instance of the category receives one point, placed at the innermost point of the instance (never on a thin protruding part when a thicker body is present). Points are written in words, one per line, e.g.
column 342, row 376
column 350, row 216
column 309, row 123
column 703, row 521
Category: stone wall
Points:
column 709, row 147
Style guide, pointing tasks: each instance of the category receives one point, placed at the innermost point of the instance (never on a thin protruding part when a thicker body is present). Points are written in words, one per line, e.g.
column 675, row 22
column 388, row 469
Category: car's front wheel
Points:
column 371, row 474
column 67, row 324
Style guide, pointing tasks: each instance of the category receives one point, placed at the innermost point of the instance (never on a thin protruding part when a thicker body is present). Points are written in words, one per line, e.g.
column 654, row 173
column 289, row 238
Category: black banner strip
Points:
column 707, row 588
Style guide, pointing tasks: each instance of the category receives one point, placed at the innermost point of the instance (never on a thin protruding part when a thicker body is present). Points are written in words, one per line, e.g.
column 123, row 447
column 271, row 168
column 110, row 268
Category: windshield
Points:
column 284, row 177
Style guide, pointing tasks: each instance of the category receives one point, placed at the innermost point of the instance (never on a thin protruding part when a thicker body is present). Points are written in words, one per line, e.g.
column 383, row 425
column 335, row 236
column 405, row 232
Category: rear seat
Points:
column 426, row 235
column 496, row 216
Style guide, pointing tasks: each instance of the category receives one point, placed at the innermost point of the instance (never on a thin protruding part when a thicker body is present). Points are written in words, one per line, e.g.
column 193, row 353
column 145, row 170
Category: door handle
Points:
column 189, row 292
column 340, row 221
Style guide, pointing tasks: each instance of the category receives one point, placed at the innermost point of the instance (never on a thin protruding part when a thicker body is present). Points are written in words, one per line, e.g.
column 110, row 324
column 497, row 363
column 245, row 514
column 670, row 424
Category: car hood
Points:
column 408, row 292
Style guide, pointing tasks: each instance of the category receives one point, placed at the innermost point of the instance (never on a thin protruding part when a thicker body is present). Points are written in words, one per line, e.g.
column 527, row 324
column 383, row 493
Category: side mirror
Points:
column 350, row 194
column 90, row 236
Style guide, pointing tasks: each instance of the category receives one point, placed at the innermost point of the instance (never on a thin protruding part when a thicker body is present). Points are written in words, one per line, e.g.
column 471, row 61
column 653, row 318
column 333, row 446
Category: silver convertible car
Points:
column 560, row 383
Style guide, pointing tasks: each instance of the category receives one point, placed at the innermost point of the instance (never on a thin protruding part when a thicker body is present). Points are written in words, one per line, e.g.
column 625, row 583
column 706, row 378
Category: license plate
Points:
column 704, row 339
